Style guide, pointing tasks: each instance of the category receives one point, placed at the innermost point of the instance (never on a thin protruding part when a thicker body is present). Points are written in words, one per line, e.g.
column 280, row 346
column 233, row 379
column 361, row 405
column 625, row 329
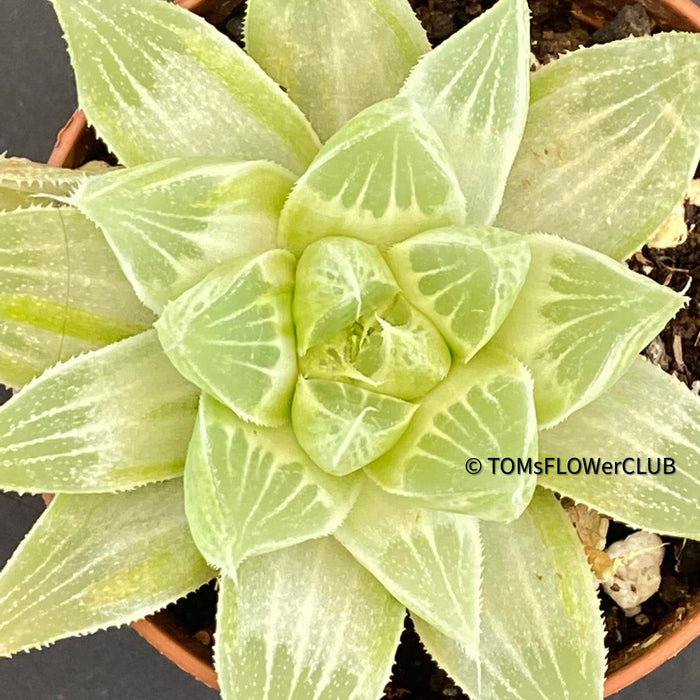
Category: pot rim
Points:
column 188, row 654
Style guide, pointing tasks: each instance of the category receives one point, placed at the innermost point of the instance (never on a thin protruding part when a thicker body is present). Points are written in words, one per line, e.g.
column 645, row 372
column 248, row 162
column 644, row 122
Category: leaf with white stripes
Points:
column 338, row 280
column 24, row 183
column 465, row 280
column 96, row 561
column 109, row 420
column 430, row 560
column 344, row 427
column 357, row 36
column 619, row 427
column 61, row 292
column 607, row 170
column 305, row 623
column 252, row 490
column 159, row 82
column 171, row 222
column 579, row 322
column 232, row 335
column 481, row 410
column 544, row 633
column 473, row 89
column 383, row 177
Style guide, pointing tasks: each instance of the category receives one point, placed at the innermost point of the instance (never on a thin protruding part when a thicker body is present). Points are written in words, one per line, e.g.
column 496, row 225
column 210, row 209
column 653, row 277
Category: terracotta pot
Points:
column 76, row 144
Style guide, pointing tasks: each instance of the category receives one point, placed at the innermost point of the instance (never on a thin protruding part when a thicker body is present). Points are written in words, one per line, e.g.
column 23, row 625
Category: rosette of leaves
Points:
column 404, row 261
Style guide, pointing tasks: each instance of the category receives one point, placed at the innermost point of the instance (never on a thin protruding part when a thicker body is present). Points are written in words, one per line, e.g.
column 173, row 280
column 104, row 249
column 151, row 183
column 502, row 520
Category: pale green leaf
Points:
column 394, row 350
column 24, row 183
column 335, row 58
column 612, row 140
column 61, row 292
column 338, row 280
column 579, row 322
column 232, row 335
column 465, row 280
column 109, row 420
column 94, row 561
column 481, row 410
column 252, row 490
column 430, row 560
column 647, row 416
column 383, row 177
column 344, row 427
column 473, row 89
column 542, row 628
column 305, row 623
column 159, row 82
column 171, row 222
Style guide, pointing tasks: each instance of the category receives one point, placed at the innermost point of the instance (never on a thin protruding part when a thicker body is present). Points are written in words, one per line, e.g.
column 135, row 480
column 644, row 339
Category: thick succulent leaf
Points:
column 305, row 623
column 61, row 292
column 430, row 560
column 171, row 222
column 232, row 335
column 93, row 561
column 23, row 182
column 473, row 89
column 252, row 490
column 394, row 350
column 335, row 58
column 480, row 411
column 159, row 82
column 344, row 427
column 109, row 420
column 383, row 177
column 338, row 280
column 543, row 632
column 465, row 280
column 611, row 142
column 619, row 426
column 579, row 322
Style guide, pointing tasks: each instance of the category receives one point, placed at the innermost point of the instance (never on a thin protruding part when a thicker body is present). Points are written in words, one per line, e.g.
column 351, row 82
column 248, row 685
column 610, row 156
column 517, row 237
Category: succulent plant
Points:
column 376, row 318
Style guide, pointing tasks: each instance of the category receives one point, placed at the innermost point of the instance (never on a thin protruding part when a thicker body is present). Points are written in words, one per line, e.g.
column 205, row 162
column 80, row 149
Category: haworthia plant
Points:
column 383, row 368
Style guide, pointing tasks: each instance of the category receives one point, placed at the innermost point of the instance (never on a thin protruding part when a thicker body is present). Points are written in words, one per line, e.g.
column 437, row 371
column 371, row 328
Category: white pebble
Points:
column 637, row 570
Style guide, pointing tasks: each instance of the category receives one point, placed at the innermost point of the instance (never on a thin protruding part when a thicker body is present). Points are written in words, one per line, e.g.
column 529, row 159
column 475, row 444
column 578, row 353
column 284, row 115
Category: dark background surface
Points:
column 37, row 96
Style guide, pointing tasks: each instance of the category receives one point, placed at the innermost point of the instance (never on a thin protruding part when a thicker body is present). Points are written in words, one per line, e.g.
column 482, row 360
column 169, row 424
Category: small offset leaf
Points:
column 305, row 623
column 338, row 280
column 171, row 222
column 619, row 426
column 465, row 280
column 607, row 168
column 159, row 82
column 110, row 420
column 95, row 561
column 21, row 180
column 383, row 177
column 482, row 410
column 428, row 559
column 394, row 350
column 579, row 322
column 252, row 490
column 232, row 335
column 344, row 427
column 61, row 292
column 543, row 632
column 369, row 47
column 473, row 89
